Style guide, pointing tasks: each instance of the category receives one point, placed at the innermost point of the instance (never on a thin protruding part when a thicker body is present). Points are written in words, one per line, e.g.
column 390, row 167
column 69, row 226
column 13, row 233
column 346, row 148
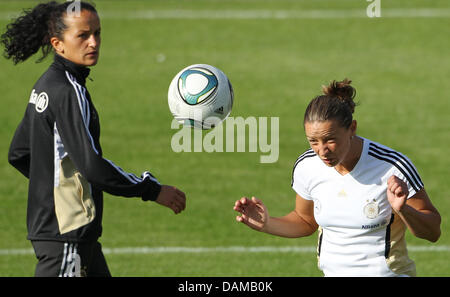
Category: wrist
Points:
column 265, row 227
column 400, row 210
column 152, row 192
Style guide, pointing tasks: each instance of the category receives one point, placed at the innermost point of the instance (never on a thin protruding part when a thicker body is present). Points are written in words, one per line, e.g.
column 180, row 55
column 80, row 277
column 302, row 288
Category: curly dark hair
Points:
column 33, row 30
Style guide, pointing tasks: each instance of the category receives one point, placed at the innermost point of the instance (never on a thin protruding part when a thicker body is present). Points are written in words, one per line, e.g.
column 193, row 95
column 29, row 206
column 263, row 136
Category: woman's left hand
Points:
column 172, row 198
column 397, row 193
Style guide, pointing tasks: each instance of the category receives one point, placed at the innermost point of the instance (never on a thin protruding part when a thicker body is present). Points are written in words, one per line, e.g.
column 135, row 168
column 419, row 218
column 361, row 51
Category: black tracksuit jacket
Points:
column 56, row 146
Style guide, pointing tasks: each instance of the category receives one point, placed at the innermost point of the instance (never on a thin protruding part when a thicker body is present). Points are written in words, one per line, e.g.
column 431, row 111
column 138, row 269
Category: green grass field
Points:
column 399, row 64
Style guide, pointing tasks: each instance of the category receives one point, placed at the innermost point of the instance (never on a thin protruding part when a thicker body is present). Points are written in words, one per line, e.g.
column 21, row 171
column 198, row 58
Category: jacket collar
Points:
column 80, row 72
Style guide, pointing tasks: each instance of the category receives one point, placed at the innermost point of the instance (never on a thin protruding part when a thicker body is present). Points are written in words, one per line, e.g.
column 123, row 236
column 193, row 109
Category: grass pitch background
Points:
column 399, row 65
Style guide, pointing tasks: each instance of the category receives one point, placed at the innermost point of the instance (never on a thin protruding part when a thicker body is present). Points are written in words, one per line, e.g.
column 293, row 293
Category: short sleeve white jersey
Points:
column 359, row 234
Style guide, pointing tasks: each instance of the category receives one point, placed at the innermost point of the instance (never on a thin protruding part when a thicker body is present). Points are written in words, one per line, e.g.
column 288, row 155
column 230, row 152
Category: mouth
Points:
column 92, row 54
column 327, row 161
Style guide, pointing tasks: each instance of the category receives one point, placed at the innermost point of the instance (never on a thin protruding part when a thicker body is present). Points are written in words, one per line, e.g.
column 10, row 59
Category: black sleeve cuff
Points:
column 152, row 193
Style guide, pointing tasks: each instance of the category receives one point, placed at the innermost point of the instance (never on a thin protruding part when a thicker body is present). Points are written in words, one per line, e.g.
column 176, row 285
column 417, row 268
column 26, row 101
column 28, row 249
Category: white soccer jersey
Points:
column 359, row 234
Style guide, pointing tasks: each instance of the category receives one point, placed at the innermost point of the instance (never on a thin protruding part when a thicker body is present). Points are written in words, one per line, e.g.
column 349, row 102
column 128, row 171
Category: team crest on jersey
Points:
column 371, row 209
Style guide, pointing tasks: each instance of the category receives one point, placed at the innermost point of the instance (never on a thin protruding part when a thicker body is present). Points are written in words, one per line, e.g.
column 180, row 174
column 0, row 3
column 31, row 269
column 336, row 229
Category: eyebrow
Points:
column 323, row 136
column 87, row 30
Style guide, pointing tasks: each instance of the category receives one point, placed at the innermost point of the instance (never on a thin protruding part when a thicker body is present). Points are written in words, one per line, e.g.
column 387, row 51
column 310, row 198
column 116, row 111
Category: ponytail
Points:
column 342, row 90
column 33, row 30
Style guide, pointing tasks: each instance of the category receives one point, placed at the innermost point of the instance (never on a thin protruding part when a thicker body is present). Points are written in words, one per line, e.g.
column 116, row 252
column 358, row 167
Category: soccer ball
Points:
column 200, row 96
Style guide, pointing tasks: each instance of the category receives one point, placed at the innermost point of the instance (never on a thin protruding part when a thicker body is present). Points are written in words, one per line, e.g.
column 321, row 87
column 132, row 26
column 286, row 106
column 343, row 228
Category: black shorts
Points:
column 66, row 259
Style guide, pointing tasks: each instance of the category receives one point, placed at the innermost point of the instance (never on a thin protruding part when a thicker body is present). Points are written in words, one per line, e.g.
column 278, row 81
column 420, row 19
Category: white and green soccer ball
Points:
column 200, row 96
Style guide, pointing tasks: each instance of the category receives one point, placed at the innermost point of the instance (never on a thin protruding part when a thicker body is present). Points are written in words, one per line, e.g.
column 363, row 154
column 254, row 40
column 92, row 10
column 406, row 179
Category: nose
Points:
column 322, row 149
column 93, row 41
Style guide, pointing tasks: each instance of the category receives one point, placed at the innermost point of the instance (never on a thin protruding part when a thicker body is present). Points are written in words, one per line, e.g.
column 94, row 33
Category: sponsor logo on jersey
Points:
column 33, row 97
column 40, row 101
column 370, row 226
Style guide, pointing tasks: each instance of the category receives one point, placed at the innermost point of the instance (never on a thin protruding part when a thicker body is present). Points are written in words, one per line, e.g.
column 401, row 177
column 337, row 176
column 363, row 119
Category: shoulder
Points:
column 304, row 162
column 48, row 91
column 57, row 89
column 396, row 161
column 59, row 79
column 386, row 154
column 304, row 158
column 55, row 83
column 306, row 154
column 306, row 169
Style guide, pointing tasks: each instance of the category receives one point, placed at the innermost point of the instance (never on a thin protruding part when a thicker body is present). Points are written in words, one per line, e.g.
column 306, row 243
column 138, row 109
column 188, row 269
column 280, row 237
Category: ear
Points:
column 57, row 44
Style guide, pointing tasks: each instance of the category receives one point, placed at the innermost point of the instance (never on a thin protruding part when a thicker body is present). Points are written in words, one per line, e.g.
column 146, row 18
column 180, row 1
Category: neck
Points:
column 80, row 72
column 352, row 158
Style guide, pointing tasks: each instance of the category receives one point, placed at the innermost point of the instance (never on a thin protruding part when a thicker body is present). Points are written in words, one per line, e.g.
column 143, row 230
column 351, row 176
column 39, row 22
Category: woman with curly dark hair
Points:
column 56, row 145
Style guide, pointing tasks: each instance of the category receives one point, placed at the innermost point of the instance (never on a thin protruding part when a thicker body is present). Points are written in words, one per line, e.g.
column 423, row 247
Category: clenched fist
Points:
column 397, row 193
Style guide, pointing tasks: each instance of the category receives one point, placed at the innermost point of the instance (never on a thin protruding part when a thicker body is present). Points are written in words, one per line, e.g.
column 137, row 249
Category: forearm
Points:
column 423, row 224
column 291, row 225
column 19, row 150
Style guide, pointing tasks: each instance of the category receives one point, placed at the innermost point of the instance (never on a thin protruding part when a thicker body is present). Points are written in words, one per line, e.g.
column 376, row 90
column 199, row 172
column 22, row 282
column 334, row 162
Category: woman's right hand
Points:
column 253, row 213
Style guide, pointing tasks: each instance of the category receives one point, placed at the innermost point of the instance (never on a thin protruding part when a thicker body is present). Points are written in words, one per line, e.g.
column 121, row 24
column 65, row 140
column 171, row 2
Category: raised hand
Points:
column 253, row 213
column 397, row 193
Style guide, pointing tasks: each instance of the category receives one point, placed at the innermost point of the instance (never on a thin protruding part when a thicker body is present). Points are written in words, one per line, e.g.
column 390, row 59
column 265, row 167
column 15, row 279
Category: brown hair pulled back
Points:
column 336, row 104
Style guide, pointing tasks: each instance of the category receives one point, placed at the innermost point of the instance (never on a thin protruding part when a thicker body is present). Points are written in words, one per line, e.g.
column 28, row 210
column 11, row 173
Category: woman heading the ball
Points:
column 56, row 145
column 360, row 195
